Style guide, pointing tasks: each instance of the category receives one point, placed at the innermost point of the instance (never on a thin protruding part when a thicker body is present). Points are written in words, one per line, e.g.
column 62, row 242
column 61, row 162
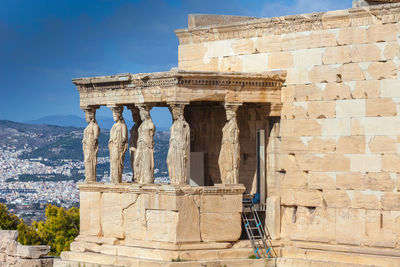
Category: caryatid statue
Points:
column 144, row 156
column 117, row 145
column 134, row 137
column 229, row 157
column 90, row 145
column 179, row 147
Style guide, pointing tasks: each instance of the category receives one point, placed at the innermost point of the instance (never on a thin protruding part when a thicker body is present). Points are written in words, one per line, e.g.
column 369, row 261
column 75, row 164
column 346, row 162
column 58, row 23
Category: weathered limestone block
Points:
column 351, row 145
column 321, row 109
column 365, row 200
column 336, row 198
column 85, row 246
column 7, row 236
column 218, row 203
column 220, row 48
column 273, row 216
column 350, row 108
column 307, row 92
column 254, row 63
column 322, row 38
column 295, row 223
column 32, row 252
column 391, row 50
column 294, row 179
column 111, row 215
column 378, row 181
column 35, row 262
column 298, row 76
column 375, row 233
column 349, row 181
column 322, row 74
column 321, row 145
column 381, row 107
column 390, row 88
column 293, row 111
column 188, row 227
column 383, row 70
column 335, row 127
column 352, row 35
column 335, row 162
column 220, row 226
column 229, row 64
column 376, row 126
column 383, row 144
column 309, row 198
column 336, row 19
column 161, row 225
column 194, row 51
column 280, row 60
column 134, row 216
column 268, row 44
column 321, row 226
column 211, row 64
column 295, row 41
column 243, row 46
column 336, row 91
column 292, row 144
column 390, row 201
column 307, row 162
column 307, row 128
column 350, row 226
column 365, row 52
column 382, row 33
column 321, row 180
column 90, row 213
column 313, row 56
column 366, row 163
column 366, row 89
column 391, row 162
column 336, row 55
column 351, row 72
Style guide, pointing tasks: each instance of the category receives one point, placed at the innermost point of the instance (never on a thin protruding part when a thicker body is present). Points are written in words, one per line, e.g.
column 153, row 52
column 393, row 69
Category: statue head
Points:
column 90, row 114
column 144, row 112
column 117, row 113
column 177, row 111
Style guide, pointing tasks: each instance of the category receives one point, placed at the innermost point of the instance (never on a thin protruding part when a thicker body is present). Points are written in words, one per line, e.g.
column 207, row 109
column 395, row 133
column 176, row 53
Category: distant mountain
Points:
column 59, row 120
column 158, row 117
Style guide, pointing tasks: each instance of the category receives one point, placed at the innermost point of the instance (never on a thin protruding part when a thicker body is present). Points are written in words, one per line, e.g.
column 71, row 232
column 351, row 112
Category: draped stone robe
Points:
column 229, row 157
column 90, row 150
column 178, row 153
column 117, row 145
column 144, row 156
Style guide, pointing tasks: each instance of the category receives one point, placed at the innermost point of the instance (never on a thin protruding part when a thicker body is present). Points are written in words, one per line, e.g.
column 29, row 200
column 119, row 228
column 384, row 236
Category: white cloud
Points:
column 282, row 8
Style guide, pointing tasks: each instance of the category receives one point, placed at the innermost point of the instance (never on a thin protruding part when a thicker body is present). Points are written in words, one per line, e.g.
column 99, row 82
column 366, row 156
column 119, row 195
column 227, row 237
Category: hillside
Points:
column 53, row 145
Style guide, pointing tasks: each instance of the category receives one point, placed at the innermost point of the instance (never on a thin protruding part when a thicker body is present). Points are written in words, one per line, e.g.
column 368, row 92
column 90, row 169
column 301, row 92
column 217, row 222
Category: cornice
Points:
column 180, row 78
column 384, row 13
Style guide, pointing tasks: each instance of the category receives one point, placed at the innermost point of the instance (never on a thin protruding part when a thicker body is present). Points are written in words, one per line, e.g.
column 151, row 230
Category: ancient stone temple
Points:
column 301, row 112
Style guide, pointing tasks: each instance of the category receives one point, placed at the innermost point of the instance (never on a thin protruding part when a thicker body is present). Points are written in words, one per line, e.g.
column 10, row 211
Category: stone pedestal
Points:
column 157, row 222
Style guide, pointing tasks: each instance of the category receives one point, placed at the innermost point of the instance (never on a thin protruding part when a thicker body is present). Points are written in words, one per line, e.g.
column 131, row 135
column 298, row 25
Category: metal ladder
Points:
column 262, row 246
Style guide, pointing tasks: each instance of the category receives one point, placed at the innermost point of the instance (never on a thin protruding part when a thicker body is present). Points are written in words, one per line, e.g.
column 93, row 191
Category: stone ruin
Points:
column 302, row 110
column 12, row 253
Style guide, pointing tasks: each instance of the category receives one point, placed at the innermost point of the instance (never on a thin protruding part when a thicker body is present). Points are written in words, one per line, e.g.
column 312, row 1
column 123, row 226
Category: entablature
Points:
column 161, row 88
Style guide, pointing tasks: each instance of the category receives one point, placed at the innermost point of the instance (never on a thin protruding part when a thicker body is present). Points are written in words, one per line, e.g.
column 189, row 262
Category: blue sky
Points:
column 46, row 43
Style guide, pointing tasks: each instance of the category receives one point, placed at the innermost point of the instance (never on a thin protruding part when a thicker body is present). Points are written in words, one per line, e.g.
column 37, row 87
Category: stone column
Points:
column 134, row 136
column 144, row 156
column 179, row 147
column 118, row 144
column 229, row 156
column 90, row 144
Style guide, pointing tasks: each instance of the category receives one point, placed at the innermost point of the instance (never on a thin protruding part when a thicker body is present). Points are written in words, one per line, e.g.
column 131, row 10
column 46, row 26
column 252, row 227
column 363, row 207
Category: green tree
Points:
column 60, row 228
column 8, row 221
column 27, row 235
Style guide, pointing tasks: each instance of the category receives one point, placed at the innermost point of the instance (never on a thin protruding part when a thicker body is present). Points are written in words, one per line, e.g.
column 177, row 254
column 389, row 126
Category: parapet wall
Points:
column 336, row 159
column 12, row 253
